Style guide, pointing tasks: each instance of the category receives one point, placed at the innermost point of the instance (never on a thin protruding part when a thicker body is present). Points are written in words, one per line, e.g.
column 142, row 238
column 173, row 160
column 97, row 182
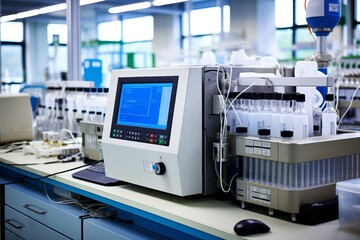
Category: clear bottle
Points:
column 267, row 105
column 243, row 110
column 317, row 119
column 98, row 117
column 230, row 113
column 275, row 115
column 300, row 118
column 74, row 127
column 329, row 117
column 254, row 114
column 286, row 118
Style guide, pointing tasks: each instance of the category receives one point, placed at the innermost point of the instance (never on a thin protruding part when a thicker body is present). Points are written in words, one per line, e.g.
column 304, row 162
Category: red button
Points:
column 151, row 140
column 152, row 135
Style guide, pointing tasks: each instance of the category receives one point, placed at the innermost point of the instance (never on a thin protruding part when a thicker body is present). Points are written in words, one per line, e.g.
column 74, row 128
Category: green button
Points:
column 161, row 141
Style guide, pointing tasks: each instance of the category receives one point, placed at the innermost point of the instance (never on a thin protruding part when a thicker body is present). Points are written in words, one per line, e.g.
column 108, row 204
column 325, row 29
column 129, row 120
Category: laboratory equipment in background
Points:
column 347, row 94
column 322, row 16
column 16, row 118
column 69, row 102
column 91, row 140
column 93, row 71
column 166, row 129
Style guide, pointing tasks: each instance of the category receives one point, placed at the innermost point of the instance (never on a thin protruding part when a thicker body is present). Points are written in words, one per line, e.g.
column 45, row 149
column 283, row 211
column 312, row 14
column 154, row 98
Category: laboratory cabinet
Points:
column 30, row 214
column 97, row 228
column 11, row 236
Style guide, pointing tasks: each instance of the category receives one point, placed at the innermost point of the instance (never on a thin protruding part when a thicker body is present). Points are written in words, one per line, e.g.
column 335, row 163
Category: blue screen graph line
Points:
column 145, row 105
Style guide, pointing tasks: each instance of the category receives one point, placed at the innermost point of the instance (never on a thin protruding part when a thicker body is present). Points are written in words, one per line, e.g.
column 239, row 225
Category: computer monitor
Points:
column 144, row 108
column 15, row 118
column 153, row 129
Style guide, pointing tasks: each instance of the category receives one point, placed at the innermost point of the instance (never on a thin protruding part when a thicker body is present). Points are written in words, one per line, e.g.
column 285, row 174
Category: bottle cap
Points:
column 241, row 129
column 277, row 96
column 255, row 96
column 264, row 132
column 269, row 96
column 286, row 134
column 329, row 97
column 300, row 97
column 286, row 96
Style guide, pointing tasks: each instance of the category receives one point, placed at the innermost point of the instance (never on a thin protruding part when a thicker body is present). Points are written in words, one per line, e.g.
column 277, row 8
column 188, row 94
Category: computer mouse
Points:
column 250, row 226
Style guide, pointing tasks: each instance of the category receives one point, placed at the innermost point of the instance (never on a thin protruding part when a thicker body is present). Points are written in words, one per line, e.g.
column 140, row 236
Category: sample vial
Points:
column 329, row 117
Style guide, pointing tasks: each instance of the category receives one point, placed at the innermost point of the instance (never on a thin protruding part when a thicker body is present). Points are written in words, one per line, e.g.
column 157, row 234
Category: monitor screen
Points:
column 144, row 108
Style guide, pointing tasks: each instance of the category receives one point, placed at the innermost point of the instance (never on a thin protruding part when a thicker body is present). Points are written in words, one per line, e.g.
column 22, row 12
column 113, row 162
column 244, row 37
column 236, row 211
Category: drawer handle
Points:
column 34, row 209
column 13, row 223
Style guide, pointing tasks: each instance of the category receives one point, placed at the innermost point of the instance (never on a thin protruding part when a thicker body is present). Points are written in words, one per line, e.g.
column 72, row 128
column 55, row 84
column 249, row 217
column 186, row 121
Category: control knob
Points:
column 160, row 168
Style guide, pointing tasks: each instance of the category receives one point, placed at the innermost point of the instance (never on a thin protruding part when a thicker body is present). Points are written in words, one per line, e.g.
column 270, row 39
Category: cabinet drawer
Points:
column 28, row 228
column 11, row 236
column 95, row 229
column 33, row 203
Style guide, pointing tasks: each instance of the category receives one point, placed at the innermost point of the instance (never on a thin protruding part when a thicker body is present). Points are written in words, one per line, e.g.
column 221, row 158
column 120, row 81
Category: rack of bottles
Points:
column 283, row 174
column 289, row 150
column 68, row 103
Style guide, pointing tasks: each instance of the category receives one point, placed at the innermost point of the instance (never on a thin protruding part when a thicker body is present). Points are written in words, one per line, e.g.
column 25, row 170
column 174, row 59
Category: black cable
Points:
column 68, row 170
column 29, row 164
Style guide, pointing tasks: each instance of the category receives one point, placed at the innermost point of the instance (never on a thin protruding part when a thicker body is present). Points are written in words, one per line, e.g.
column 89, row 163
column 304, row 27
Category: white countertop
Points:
column 203, row 213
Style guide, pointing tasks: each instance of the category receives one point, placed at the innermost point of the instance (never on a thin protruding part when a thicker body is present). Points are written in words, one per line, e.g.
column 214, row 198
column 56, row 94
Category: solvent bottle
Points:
column 230, row 113
column 286, row 118
column 300, row 118
column 243, row 110
column 329, row 117
column 254, row 114
column 275, row 115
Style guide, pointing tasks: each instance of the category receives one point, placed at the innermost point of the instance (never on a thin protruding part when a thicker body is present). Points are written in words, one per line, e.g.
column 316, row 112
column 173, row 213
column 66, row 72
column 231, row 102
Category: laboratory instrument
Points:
column 15, row 118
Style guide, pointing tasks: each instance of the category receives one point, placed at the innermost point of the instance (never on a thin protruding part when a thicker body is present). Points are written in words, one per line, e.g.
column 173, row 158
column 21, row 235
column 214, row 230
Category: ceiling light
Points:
column 86, row 2
column 167, row 2
column 53, row 8
column 130, row 7
column 27, row 14
column 8, row 18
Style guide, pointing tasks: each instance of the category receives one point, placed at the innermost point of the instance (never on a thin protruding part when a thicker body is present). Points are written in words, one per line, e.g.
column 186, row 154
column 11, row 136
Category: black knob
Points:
column 160, row 168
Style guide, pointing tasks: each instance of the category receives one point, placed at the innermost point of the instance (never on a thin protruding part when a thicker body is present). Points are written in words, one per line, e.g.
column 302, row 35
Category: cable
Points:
column 87, row 209
column 351, row 102
column 68, row 170
column 63, row 131
column 65, row 160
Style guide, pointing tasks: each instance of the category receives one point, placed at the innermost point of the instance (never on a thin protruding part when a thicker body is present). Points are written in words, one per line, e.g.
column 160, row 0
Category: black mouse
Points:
column 250, row 226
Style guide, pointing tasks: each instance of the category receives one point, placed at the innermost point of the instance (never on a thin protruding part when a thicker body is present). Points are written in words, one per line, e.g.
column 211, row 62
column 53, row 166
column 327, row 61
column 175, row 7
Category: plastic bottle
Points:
column 317, row 118
column 329, row 117
column 230, row 114
column 286, row 118
column 267, row 105
column 300, row 118
column 275, row 115
column 254, row 114
column 243, row 110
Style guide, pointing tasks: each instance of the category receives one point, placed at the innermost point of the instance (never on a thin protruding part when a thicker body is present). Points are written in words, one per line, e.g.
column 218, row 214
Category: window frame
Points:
column 23, row 61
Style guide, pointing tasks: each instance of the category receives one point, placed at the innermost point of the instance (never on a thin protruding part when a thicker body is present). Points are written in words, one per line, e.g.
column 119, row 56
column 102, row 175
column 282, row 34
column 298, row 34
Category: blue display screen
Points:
column 145, row 105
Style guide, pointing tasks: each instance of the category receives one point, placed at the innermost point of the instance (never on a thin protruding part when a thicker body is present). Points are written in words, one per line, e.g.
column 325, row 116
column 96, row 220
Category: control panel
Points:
column 151, row 136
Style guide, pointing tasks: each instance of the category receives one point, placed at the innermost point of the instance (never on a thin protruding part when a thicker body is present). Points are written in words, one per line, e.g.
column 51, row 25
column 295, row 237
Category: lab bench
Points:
column 155, row 215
